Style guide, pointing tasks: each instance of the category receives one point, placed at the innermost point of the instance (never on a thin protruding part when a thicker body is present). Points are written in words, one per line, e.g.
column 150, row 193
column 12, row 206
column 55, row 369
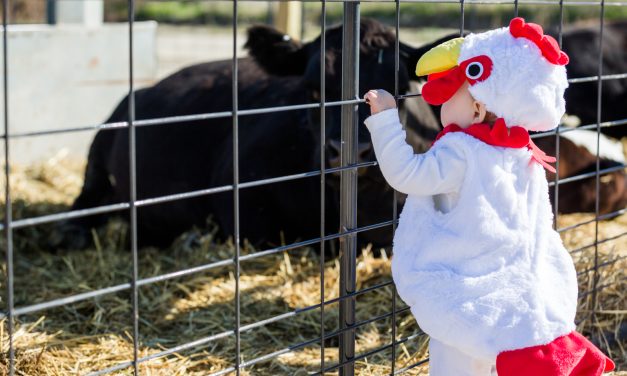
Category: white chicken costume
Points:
column 475, row 255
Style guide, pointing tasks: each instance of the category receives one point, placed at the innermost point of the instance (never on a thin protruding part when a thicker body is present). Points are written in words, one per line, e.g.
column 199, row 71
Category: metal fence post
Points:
column 51, row 12
column 132, row 150
column 8, row 219
column 595, row 275
column 348, row 183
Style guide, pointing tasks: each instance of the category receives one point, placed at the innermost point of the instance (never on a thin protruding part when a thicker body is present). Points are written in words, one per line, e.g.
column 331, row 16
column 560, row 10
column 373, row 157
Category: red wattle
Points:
column 497, row 135
column 440, row 87
column 500, row 135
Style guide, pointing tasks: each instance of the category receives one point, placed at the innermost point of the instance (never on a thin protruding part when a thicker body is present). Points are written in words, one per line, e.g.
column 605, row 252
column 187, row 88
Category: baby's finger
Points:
column 372, row 94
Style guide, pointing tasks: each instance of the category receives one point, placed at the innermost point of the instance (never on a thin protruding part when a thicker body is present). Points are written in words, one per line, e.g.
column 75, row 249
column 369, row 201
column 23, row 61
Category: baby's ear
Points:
column 480, row 112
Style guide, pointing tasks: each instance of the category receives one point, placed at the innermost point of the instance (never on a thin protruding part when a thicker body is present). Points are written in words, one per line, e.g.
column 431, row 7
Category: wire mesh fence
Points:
column 348, row 170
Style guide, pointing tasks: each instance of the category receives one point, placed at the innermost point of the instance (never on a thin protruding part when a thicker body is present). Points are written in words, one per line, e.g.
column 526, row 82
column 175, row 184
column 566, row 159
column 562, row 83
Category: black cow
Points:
column 582, row 45
column 188, row 156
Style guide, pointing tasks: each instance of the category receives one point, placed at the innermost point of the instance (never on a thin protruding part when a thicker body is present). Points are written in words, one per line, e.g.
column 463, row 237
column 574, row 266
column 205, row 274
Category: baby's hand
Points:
column 379, row 100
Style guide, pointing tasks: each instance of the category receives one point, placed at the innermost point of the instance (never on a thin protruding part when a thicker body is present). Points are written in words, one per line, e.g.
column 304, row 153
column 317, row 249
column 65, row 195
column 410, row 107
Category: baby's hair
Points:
column 490, row 118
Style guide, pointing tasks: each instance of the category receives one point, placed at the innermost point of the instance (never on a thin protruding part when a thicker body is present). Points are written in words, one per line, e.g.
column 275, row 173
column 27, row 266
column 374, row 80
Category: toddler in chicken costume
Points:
column 475, row 255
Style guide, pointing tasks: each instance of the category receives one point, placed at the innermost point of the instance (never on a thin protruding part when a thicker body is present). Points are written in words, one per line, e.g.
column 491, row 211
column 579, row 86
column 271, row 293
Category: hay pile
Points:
column 95, row 334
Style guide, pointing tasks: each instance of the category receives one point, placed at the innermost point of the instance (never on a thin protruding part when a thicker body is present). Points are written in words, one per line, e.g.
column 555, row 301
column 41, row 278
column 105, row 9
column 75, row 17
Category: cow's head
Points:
column 280, row 55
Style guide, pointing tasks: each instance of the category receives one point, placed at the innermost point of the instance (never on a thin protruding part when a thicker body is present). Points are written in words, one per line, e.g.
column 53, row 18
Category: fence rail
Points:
column 267, row 110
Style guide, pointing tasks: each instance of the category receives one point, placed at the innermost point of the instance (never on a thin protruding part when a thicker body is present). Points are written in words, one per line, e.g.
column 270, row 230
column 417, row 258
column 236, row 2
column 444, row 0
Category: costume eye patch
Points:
column 477, row 68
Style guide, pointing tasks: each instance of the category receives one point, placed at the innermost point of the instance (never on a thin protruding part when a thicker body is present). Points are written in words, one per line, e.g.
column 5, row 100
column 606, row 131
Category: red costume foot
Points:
column 570, row 355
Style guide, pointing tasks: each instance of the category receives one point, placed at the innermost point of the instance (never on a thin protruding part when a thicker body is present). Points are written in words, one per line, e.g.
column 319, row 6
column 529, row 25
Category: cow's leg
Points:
column 75, row 233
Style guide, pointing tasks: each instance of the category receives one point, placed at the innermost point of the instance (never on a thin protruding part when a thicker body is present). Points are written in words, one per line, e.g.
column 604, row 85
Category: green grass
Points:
column 411, row 15
column 188, row 12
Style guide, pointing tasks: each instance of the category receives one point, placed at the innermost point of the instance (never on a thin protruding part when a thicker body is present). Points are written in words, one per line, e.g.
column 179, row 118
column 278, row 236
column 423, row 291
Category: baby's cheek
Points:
column 456, row 112
column 446, row 114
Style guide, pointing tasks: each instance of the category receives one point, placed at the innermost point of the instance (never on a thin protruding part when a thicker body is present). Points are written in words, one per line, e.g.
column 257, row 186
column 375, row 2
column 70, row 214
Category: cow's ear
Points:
column 277, row 53
column 411, row 55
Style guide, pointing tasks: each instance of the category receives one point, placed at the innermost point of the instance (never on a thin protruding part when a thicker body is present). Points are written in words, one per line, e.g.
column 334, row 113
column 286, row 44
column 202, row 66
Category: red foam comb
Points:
column 546, row 43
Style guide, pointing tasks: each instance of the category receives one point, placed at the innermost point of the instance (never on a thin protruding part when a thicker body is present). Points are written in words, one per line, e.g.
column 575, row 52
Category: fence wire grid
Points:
column 347, row 234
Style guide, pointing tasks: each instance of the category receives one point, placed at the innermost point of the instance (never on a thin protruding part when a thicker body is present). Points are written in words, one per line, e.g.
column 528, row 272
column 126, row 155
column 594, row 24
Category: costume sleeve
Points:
column 440, row 170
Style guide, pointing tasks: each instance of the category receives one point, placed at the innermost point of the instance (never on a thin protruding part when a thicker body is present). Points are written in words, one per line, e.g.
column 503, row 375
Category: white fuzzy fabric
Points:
column 446, row 360
column 489, row 275
column 523, row 88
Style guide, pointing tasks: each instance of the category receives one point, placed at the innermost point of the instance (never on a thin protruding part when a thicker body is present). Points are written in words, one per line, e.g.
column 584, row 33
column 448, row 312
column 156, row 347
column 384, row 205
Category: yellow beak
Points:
column 440, row 58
